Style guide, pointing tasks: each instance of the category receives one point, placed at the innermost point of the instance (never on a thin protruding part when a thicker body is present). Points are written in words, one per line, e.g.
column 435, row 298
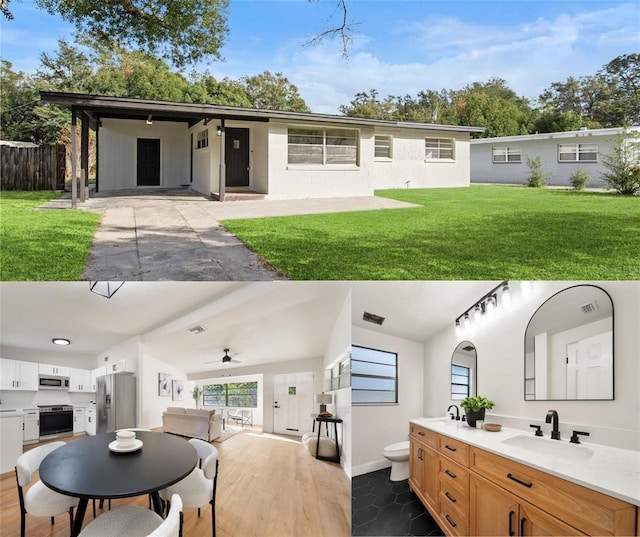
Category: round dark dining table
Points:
column 88, row 469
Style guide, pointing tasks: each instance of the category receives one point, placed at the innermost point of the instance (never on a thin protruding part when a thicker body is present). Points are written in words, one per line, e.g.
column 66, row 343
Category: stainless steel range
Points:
column 56, row 421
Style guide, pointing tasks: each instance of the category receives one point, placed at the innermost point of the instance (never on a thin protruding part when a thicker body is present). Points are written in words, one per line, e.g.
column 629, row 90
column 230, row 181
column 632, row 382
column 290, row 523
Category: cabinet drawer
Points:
column 453, row 478
column 424, row 435
column 454, row 449
column 583, row 508
column 452, row 521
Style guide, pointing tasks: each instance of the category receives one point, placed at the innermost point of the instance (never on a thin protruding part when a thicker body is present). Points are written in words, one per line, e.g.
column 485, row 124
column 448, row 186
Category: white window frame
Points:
column 202, row 139
column 384, row 143
column 506, row 152
column 440, row 146
column 576, row 150
column 325, row 134
column 381, row 371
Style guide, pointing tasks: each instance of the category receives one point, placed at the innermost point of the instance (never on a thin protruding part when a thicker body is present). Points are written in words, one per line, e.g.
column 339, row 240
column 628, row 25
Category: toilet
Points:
column 398, row 454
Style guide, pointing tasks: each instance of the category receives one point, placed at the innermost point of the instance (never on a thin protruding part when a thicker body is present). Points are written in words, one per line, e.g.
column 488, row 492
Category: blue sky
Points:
column 399, row 47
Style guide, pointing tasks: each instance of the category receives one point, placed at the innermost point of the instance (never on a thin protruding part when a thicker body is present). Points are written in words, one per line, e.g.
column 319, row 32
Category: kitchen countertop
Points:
column 612, row 471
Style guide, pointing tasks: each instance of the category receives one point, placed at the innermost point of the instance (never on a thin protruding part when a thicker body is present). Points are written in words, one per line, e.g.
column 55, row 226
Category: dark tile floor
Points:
column 383, row 507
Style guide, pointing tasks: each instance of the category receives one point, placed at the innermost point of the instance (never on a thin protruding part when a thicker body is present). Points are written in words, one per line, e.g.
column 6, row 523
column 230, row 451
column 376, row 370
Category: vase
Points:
column 473, row 416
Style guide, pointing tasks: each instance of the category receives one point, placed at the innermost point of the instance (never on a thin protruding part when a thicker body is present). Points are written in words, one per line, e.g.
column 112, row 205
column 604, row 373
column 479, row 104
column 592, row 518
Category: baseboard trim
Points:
column 370, row 467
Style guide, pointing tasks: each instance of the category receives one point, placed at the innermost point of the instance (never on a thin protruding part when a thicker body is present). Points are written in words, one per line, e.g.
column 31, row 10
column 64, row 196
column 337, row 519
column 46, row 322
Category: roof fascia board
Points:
column 554, row 135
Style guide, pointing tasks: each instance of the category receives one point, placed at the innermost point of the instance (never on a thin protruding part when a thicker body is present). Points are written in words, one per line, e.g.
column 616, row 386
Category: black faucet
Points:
column 457, row 411
column 555, row 433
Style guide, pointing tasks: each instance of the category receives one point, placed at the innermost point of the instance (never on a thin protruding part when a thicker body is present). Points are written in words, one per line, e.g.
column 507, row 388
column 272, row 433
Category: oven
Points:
column 56, row 421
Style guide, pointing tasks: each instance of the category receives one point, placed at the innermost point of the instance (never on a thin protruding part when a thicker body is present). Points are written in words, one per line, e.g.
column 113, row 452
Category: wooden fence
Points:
column 32, row 168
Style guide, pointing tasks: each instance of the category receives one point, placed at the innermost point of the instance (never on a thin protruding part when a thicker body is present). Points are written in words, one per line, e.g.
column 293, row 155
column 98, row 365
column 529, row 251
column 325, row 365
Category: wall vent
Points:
column 589, row 307
column 468, row 348
column 372, row 318
column 198, row 329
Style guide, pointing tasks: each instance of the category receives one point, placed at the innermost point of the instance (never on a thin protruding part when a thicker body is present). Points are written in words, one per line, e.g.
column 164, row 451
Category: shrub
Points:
column 623, row 163
column 579, row 179
column 537, row 178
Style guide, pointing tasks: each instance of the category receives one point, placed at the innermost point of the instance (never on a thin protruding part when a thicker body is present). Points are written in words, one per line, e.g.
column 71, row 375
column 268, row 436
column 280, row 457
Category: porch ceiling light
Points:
column 219, row 130
column 63, row 342
column 150, row 120
column 105, row 289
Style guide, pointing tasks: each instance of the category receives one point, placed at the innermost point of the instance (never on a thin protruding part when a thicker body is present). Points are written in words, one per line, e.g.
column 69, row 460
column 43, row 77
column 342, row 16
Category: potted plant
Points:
column 474, row 408
column 196, row 394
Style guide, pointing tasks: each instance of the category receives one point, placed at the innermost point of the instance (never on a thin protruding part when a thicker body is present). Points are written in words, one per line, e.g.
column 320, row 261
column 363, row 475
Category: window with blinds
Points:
column 507, row 154
column 322, row 146
column 382, row 146
column 578, row 152
column 438, row 148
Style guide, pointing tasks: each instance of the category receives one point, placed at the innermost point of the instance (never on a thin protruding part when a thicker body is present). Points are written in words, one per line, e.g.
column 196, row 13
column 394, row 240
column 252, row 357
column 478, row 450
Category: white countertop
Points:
column 11, row 412
column 612, row 471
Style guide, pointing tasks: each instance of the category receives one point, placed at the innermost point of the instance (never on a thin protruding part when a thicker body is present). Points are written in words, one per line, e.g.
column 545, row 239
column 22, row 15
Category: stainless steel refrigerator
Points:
column 115, row 403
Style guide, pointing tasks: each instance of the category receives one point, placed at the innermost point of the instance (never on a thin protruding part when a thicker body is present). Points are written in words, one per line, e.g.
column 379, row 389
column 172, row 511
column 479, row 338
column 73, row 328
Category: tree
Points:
column 226, row 91
column 623, row 165
column 622, row 76
column 553, row 121
column 273, row 92
column 367, row 105
column 183, row 31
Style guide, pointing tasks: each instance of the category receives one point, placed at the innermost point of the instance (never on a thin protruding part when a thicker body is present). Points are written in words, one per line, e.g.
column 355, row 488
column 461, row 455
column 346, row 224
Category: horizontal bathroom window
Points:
column 374, row 376
column 459, row 382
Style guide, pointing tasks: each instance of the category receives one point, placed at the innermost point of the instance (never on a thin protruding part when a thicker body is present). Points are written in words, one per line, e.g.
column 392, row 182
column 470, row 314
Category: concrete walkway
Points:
column 176, row 235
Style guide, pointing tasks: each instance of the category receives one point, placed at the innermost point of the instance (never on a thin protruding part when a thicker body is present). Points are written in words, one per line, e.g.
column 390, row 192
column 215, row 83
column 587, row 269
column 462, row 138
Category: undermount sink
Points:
column 554, row 448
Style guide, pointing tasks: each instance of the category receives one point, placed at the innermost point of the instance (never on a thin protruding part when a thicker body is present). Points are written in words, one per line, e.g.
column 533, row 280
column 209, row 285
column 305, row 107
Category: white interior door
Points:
column 292, row 403
column 590, row 368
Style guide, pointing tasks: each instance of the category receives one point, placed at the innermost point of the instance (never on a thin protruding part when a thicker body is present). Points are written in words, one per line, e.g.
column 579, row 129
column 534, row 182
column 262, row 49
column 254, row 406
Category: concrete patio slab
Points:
column 176, row 235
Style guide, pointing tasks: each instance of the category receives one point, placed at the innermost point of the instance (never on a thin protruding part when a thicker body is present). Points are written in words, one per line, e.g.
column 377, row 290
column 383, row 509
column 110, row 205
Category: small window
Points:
column 459, row 382
column 382, row 146
column 438, row 148
column 507, row 154
column 578, row 152
column 202, row 140
column 234, row 394
column 374, row 376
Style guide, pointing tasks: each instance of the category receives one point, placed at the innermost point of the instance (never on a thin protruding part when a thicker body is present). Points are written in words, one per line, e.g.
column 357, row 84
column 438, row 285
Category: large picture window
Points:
column 374, row 376
column 578, row 152
column 438, row 148
column 322, row 146
column 233, row 394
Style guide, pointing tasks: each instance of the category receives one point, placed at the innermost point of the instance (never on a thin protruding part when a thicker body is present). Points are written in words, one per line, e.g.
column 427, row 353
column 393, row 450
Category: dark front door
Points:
column 237, row 156
column 148, row 162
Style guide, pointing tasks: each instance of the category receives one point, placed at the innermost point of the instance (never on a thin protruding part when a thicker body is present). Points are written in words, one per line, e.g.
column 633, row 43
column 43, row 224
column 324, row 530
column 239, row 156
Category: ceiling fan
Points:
column 226, row 359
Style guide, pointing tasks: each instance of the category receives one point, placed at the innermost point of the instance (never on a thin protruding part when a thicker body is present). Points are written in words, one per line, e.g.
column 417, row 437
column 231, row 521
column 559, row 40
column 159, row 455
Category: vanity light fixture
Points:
column 483, row 308
column 506, row 295
column 458, row 328
column 491, row 306
column 63, row 342
column 477, row 314
column 467, row 322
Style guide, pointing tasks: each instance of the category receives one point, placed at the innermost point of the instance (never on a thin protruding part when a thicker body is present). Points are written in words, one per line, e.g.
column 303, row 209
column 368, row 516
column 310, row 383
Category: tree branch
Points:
column 342, row 30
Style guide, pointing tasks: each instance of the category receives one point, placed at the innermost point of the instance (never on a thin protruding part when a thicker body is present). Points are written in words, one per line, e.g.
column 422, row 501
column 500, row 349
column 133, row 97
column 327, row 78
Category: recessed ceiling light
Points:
column 60, row 341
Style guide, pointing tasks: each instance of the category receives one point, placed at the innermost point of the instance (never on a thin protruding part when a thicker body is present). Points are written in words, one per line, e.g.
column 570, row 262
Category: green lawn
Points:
column 42, row 245
column 480, row 232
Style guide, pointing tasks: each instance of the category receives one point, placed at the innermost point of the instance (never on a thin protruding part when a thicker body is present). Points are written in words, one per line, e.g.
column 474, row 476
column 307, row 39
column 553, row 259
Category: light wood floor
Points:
column 268, row 485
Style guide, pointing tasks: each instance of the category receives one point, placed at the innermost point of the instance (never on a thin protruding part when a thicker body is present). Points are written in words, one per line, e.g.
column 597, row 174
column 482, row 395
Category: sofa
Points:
column 203, row 424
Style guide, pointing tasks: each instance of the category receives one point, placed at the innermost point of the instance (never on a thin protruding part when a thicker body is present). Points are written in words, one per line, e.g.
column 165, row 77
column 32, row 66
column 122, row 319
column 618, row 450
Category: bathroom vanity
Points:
column 476, row 482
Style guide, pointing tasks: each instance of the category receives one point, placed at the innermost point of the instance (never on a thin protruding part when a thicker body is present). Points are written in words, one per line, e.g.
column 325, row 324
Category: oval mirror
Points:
column 568, row 347
column 463, row 371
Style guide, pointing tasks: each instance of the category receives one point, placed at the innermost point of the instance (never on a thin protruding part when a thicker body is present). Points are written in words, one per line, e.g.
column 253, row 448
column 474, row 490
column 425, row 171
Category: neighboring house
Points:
column 281, row 155
column 504, row 159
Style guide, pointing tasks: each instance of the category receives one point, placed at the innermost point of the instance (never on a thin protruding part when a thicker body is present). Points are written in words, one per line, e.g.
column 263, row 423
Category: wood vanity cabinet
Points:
column 470, row 491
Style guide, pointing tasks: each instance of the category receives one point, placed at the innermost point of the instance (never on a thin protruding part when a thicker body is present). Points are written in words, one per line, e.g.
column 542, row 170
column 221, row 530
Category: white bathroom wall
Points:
column 377, row 426
column 500, row 347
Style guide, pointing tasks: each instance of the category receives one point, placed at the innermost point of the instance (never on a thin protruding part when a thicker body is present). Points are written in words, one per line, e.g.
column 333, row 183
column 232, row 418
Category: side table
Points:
column 326, row 421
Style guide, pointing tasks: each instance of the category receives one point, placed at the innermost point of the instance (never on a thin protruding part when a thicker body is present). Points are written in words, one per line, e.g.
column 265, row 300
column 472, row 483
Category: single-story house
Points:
column 282, row 155
column 504, row 159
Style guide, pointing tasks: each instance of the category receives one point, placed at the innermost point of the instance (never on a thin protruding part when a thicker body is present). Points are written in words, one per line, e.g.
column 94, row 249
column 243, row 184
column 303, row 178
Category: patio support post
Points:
column 223, row 163
column 74, row 143
column 84, row 157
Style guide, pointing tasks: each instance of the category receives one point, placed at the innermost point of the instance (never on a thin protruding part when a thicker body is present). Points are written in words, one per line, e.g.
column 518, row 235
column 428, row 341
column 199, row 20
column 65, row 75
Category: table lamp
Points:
column 324, row 399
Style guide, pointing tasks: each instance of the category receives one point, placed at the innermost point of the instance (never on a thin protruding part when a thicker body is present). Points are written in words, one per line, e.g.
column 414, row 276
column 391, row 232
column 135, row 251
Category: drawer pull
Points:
column 451, row 498
column 450, row 448
column 522, row 521
column 420, row 433
column 511, row 533
column 450, row 474
column 453, row 524
column 528, row 485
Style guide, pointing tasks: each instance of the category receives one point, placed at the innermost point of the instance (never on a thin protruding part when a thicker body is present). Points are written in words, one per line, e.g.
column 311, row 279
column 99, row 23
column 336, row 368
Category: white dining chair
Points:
column 135, row 521
column 199, row 487
column 39, row 500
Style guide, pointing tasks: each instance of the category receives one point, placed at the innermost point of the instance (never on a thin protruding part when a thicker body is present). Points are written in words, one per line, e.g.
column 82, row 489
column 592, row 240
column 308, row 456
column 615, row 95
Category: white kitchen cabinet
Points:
column 53, row 370
column 10, row 441
column 80, row 380
column 117, row 367
column 95, row 373
column 30, row 426
column 79, row 424
column 18, row 375
column 90, row 415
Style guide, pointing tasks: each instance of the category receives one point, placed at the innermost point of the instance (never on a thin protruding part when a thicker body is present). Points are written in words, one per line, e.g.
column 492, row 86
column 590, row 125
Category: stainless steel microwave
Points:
column 54, row 383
